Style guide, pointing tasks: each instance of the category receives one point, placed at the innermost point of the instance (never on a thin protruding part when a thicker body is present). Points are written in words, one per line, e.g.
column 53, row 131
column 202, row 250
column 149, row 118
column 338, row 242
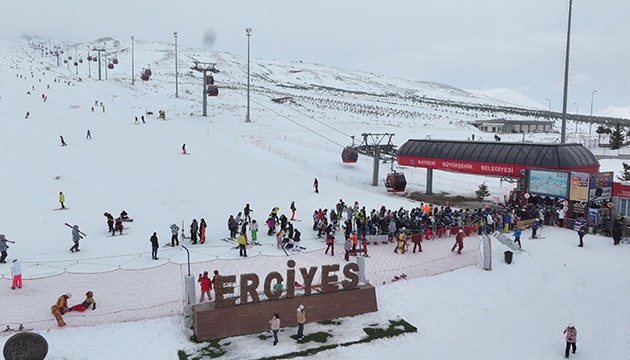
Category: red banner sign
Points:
column 476, row 167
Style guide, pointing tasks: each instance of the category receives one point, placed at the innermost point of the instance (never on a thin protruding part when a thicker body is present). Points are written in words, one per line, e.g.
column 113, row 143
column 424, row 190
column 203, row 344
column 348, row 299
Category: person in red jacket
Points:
column 206, row 286
column 459, row 242
column 571, row 338
column 89, row 300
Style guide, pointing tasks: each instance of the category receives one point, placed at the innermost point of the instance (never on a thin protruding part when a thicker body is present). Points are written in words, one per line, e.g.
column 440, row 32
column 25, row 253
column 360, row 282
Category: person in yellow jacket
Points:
column 242, row 249
column 62, row 199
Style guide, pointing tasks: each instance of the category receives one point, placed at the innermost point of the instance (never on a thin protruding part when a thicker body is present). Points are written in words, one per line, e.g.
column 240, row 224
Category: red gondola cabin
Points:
column 395, row 182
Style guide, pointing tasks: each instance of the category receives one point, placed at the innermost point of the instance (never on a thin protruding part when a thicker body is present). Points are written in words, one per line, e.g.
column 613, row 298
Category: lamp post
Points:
column 176, row 80
column 248, row 31
column 591, row 125
column 563, row 132
column 549, row 100
column 132, row 63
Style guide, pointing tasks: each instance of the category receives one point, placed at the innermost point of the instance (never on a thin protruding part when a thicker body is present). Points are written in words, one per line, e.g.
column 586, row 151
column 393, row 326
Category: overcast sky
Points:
column 482, row 44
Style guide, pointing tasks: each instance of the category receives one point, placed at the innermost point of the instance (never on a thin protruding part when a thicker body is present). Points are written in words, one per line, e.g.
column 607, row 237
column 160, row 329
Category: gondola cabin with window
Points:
column 395, row 182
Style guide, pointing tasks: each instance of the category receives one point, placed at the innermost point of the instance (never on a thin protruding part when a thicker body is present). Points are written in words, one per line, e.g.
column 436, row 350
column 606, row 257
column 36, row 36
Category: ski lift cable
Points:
column 298, row 111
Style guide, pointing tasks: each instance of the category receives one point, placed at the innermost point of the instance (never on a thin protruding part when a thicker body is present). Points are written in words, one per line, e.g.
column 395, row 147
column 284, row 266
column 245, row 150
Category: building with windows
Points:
column 513, row 126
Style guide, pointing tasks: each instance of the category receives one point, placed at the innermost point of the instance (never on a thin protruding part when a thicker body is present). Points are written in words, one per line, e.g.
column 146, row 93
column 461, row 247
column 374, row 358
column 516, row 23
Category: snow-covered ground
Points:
column 516, row 311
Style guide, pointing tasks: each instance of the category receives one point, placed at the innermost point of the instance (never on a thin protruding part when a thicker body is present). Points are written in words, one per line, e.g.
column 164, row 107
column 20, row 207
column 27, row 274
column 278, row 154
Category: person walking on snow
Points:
column 301, row 319
column 89, row 135
column 16, row 272
column 206, row 285
column 316, row 185
column 535, row 227
column 183, row 148
column 3, row 248
column 275, row 327
column 247, row 213
column 62, row 199
column 571, row 339
column 63, row 143
column 174, row 231
column 154, row 246
column 76, row 236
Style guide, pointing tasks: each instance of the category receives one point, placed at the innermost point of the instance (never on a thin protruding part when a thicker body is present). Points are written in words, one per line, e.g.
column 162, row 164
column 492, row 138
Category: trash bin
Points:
column 508, row 256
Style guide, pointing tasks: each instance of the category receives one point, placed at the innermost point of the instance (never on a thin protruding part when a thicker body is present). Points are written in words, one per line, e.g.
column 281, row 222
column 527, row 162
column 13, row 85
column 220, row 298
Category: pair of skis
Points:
column 80, row 232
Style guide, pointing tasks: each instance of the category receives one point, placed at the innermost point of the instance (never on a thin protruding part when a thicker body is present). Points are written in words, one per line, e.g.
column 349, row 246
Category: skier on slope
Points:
column 293, row 210
column 247, row 213
column 118, row 226
column 110, row 222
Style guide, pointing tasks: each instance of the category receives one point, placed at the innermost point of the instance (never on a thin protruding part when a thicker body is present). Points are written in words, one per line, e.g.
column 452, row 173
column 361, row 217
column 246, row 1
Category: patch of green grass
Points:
column 212, row 350
column 330, row 322
column 396, row 327
column 320, row 337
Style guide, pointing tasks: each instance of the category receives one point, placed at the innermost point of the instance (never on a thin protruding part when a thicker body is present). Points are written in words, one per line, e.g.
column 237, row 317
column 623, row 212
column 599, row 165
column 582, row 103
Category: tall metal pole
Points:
column 67, row 56
column 549, row 100
column 248, row 31
column 176, row 80
column 563, row 133
column 590, row 127
column 205, row 94
column 133, row 79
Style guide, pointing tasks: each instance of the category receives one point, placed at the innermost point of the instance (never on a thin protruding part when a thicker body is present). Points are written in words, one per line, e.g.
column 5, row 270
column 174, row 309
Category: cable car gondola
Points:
column 395, row 182
column 115, row 61
column 144, row 77
column 349, row 155
column 89, row 58
column 94, row 59
column 76, row 63
column 213, row 90
column 110, row 66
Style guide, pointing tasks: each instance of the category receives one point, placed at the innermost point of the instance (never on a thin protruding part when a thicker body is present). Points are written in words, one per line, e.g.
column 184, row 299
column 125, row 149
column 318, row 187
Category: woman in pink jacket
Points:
column 571, row 338
column 275, row 327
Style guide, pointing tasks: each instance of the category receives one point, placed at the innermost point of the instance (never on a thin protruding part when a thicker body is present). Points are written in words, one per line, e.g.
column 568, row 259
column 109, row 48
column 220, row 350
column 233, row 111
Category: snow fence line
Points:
column 138, row 294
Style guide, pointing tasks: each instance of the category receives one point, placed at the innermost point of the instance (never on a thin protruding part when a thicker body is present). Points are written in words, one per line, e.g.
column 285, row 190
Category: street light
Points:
column 591, row 125
column 248, row 31
column 132, row 63
column 549, row 100
column 176, row 80
column 577, row 110
column 565, row 92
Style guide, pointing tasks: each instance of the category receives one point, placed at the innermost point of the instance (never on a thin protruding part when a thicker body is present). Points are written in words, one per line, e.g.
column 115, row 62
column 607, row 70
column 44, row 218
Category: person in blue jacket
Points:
column 517, row 236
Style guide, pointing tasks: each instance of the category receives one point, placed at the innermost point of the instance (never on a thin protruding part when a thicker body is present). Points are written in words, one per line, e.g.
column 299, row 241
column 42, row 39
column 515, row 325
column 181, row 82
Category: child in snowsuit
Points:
column 89, row 300
column 254, row 230
column 517, row 236
column 16, row 272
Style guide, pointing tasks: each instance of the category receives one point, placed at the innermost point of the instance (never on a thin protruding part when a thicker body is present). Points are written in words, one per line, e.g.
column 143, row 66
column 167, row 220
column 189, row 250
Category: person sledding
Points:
column 89, row 300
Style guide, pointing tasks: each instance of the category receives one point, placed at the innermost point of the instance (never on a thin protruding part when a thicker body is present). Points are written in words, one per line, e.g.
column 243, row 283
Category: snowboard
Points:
column 80, row 232
column 127, row 220
column 57, row 209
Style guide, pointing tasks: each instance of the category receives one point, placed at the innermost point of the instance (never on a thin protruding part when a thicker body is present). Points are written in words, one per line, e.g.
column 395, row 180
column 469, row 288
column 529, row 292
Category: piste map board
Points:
column 548, row 182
